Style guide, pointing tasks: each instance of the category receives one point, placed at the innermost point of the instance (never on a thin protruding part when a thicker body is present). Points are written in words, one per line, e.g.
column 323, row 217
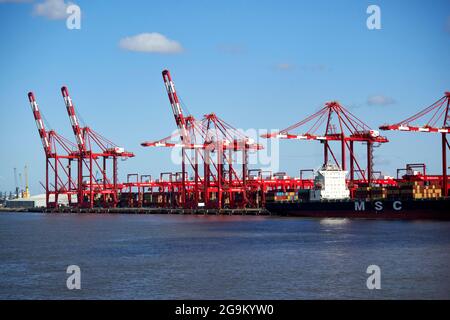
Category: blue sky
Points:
column 258, row 64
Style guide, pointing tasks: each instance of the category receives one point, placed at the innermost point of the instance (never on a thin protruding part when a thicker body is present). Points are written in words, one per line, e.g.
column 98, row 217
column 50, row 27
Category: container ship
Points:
column 330, row 197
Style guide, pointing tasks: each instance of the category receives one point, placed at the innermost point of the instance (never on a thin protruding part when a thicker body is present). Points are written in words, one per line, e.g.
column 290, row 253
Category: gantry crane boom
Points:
column 176, row 107
column 40, row 124
column 74, row 120
column 439, row 109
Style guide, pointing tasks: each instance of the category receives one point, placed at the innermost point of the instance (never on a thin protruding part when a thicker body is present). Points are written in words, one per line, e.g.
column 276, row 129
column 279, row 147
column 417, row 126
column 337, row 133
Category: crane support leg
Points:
column 444, row 165
column 343, row 152
column 352, row 163
column 369, row 162
column 47, row 194
column 183, row 178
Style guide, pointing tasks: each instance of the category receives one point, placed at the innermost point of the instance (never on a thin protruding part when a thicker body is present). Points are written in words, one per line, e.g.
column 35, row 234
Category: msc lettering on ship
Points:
column 378, row 206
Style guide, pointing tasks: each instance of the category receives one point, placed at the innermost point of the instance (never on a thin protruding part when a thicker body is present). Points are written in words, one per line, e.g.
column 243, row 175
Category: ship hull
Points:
column 374, row 209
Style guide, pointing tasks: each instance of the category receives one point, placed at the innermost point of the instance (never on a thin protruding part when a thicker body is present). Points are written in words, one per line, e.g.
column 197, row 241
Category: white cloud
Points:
column 380, row 100
column 150, row 42
column 52, row 9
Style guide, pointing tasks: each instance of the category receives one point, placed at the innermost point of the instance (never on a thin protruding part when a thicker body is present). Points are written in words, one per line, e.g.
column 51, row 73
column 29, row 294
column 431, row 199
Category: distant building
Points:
column 37, row 201
column 31, row 202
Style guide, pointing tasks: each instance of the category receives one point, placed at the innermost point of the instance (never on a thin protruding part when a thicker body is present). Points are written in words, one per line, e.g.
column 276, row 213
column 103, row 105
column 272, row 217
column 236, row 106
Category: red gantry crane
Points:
column 93, row 152
column 438, row 122
column 341, row 126
column 59, row 155
column 214, row 143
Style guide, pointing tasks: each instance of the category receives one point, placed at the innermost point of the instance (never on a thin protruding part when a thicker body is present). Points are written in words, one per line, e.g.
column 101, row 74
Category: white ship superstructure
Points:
column 330, row 184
